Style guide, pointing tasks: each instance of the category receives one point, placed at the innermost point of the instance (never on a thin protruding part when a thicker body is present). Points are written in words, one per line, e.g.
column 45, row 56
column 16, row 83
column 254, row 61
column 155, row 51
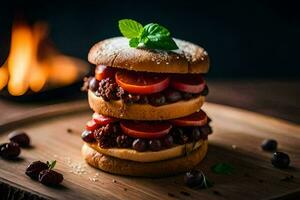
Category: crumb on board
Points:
column 69, row 130
column 94, row 179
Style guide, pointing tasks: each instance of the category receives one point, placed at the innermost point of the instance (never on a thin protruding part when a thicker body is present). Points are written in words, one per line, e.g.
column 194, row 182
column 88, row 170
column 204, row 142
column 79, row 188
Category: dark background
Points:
column 245, row 39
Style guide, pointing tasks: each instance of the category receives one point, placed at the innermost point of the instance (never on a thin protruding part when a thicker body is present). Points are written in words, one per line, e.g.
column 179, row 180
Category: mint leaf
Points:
column 205, row 182
column 152, row 35
column 130, row 28
column 134, row 42
column 155, row 29
column 222, row 168
column 51, row 164
column 161, row 42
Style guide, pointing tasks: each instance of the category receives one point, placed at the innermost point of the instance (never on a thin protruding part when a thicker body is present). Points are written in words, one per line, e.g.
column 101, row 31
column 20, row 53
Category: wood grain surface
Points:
column 236, row 140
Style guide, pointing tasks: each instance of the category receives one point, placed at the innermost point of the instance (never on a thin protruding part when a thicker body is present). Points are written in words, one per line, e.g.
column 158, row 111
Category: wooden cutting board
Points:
column 55, row 134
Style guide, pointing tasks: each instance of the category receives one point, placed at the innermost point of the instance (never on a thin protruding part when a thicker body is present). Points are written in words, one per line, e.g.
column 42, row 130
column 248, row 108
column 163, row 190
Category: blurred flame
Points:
column 34, row 64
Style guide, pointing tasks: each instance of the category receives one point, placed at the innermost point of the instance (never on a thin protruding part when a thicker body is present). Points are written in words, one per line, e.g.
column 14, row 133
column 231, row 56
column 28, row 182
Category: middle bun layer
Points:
column 119, row 109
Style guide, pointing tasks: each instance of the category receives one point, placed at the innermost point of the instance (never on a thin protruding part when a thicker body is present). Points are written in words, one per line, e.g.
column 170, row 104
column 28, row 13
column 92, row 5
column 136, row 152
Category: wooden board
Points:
column 236, row 140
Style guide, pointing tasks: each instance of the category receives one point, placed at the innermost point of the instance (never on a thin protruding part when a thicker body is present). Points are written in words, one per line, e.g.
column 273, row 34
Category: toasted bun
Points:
column 136, row 111
column 116, row 52
column 151, row 169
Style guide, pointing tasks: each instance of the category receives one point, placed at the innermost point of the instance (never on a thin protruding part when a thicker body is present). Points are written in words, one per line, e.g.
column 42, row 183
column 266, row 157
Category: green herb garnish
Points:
column 51, row 164
column 222, row 168
column 152, row 35
column 206, row 183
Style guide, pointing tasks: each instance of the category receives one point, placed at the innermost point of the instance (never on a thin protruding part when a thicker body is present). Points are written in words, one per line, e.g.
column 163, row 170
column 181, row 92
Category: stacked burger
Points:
column 147, row 117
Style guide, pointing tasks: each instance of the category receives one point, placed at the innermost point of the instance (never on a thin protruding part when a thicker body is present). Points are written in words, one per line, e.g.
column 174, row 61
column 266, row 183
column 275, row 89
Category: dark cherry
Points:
column 50, row 177
column 179, row 136
column 33, row 170
column 172, row 95
column 88, row 136
column 193, row 178
column 205, row 91
column 196, row 134
column 157, row 99
column 93, row 84
column 269, row 145
column 115, row 128
column 124, row 141
column 139, row 145
column 154, row 145
column 143, row 100
column 10, row 150
column 134, row 97
column 206, row 129
column 168, row 141
column 19, row 137
column 187, row 96
column 280, row 160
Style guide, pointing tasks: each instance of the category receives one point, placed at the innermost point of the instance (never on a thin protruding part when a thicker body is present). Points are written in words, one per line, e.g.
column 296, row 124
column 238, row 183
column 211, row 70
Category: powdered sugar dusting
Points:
column 191, row 51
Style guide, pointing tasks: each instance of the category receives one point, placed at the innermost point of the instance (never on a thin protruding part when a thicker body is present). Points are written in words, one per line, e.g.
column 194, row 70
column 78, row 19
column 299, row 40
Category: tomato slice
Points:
column 102, row 72
column 191, row 83
column 141, row 83
column 91, row 125
column 145, row 130
column 195, row 119
column 103, row 120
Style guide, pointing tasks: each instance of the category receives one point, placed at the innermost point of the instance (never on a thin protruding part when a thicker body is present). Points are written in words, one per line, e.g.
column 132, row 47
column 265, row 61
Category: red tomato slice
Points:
column 141, row 83
column 103, row 120
column 195, row 119
column 102, row 72
column 191, row 83
column 91, row 125
column 145, row 130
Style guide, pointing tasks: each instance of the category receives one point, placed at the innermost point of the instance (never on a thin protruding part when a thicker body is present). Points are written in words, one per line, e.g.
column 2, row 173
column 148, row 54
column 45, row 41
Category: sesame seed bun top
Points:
column 116, row 52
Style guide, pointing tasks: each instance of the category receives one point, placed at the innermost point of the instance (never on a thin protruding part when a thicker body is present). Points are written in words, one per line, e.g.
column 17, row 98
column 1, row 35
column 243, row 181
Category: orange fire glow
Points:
column 33, row 64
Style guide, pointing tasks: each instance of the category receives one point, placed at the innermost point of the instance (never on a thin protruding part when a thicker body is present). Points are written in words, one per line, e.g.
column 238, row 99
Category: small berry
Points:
column 139, row 145
column 10, row 150
column 20, row 138
column 33, row 170
column 269, row 145
column 88, row 136
column 193, row 178
column 280, row 160
column 168, row 141
column 93, row 84
column 50, row 178
column 154, row 145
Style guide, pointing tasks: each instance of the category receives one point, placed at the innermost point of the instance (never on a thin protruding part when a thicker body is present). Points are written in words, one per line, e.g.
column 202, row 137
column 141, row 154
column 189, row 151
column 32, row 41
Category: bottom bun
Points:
column 151, row 169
